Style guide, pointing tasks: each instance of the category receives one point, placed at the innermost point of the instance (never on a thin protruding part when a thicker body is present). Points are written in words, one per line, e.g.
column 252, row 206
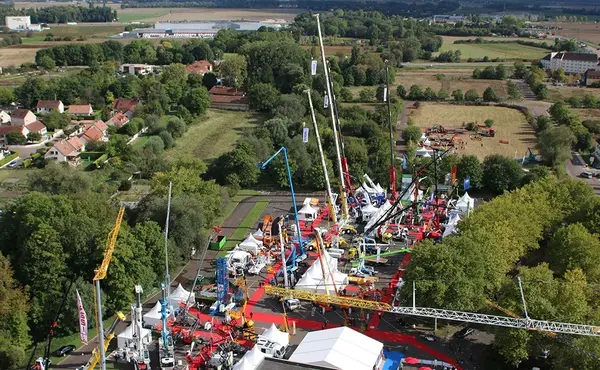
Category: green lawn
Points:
column 505, row 50
column 216, row 134
column 35, row 39
column 132, row 15
column 139, row 142
column 241, row 195
column 246, row 226
column 99, row 30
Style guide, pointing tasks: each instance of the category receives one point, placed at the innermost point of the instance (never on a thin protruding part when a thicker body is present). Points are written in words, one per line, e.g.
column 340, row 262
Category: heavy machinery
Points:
column 101, row 274
column 107, row 337
column 166, row 353
column 141, row 355
column 392, row 170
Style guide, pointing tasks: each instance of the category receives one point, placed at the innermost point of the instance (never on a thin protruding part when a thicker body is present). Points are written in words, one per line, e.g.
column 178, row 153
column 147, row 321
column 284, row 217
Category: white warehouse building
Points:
column 22, row 23
column 571, row 63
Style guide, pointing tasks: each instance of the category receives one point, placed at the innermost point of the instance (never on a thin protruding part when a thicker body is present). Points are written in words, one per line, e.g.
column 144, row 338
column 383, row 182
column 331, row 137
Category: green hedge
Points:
column 90, row 155
column 98, row 163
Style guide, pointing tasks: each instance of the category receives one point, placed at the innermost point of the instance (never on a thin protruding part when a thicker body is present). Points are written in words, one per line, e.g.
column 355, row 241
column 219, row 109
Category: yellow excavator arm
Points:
column 95, row 358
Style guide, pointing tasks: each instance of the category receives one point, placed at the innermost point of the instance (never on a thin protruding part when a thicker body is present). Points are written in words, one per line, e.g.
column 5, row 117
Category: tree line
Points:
column 547, row 234
column 60, row 14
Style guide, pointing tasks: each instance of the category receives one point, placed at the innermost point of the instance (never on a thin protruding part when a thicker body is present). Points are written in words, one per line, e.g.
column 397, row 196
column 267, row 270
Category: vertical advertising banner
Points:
column 82, row 320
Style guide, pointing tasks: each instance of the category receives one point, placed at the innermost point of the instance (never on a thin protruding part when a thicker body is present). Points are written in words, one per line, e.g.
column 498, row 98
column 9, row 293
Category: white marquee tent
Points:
column 424, row 151
column 368, row 211
column 250, row 244
column 126, row 337
column 465, row 204
column 275, row 335
column 180, row 295
column 254, row 357
column 451, row 224
column 312, row 280
column 339, row 348
column 307, row 213
column 153, row 316
column 258, row 234
column 380, row 211
column 243, row 365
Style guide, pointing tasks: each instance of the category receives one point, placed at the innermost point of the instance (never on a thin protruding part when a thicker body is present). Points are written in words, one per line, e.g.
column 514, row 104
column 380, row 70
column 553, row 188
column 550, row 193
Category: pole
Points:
column 523, row 297
column 167, row 276
column 100, row 327
column 283, row 260
column 287, row 165
column 414, row 297
column 387, row 96
column 435, row 184
column 329, row 193
column 335, row 131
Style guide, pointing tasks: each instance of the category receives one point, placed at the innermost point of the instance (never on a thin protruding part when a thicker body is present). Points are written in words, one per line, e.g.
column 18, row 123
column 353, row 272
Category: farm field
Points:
column 505, row 51
column 18, row 79
column 581, row 31
column 565, row 92
column 214, row 135
column 510, row 125
column 331, row 50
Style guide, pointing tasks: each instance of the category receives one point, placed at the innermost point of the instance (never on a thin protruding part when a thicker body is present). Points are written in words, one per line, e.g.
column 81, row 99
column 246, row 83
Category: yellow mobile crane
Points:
column 99, row 354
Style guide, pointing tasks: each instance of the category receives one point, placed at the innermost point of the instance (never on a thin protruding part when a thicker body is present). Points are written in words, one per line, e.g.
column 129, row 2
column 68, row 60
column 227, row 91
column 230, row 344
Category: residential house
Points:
column 64, row 151
column 137, row 69
column 229, row 98
column 571, row 63
column 22, row 117
column 37, row 127
column 4, row 117
column 591, row 76
column 93, row 134
column 76, row 143
column 125, row 106
column 47, row 106
column 5, row 130
column 200, row 67
column 80, row 110
column 119, row 120
column 99, row 124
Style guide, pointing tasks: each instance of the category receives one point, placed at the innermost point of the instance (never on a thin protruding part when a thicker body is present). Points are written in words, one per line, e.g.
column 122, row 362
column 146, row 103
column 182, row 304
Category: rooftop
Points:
column 48, row 104
column 93, row 134
column 199, row 67
column 279, row 364
column 124, row 105
column 64, row 147
column 226, row 99
column 226, row 90
column 592, row 73
column 584, row 57
column 35, row 126
column 20, row 113
column 79, row 108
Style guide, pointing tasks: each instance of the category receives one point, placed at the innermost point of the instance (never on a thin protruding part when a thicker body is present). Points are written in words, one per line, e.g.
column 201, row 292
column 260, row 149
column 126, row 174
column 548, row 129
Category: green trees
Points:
column 197, row 100
column 573, row 246
column 501, row 173
column 490, row 95
column 6, row 96
column 411, row 133
column 514, row 93
column 555, row 144
column 176, row 127
column 234, row 70
column 471, row 96
column 15, row 138
column 458, row 95
column 470, row 166
column 46, row 62
column 263, row 96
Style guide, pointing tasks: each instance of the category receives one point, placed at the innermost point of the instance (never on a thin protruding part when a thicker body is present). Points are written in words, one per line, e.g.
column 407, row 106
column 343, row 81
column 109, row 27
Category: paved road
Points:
column 576, row 166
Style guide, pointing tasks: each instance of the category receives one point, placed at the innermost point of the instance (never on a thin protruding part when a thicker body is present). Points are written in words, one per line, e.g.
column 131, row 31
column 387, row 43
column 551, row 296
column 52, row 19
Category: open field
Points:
column 331, row 50
column 214, row 135
column 581, row 31
column 205, row 14
column 245, row 226
column 18, row 79
column 505, row 51
column 565, row 92
column 588, row 114
column 510, row 125
column 16, row 56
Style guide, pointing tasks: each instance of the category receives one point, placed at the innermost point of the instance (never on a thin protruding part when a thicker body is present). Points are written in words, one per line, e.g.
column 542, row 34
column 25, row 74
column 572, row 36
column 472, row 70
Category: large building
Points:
column 195, row 29
column 571, row 63
column 22, row 23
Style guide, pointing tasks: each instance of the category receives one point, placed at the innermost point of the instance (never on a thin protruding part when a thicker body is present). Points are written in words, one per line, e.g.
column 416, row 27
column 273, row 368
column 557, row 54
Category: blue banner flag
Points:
column 305, row 135
column 467, row 183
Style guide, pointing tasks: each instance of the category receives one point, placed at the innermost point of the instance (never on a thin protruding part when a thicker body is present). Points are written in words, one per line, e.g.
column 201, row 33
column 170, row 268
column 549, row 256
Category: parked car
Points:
column 586, row 175
column 64, row 350
column 464, row 332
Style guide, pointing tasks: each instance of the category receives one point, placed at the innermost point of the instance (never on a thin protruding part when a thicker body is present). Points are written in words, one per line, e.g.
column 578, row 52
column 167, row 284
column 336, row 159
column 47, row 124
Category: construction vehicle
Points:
column 266, row 229
column 107, row 337
column 100, row 274
column 166, row 352
column 487, row 132
column 140, row 356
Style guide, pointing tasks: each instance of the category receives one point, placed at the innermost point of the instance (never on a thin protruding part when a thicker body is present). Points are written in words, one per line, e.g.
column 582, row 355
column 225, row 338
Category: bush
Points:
column 592, row 125
column 489, row 123
column 125, row 185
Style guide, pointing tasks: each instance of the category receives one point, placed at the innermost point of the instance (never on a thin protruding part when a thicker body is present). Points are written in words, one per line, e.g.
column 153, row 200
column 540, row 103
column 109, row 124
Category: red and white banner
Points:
column 82, row 320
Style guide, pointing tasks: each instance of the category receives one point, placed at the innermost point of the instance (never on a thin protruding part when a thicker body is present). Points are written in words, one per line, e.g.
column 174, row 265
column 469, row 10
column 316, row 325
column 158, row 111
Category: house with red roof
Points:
column 199, row 67
column 119, row 120
column 229, row 98
column 64, row 151
column 80, row 110
column 5, row 130
column 38, row 127
column 99, row 124
column 93, row 134
column 47, row 106
column 22, row 117
column 125, row 106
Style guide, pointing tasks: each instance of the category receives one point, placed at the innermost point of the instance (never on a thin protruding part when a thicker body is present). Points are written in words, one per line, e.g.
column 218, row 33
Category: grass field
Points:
column 241, row 195
column 510, row 125
column 331, row 50
column 11, row 184
column 505, row 51
column 581, row 31
column 132, row 15
column 565, row 92
column 585, row 114
column 214, row 135
column 245, row 226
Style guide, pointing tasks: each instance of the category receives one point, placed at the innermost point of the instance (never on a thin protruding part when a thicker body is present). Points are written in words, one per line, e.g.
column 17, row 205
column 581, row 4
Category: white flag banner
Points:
column 82, row 320
column 305, row 135
column 326, row 102
column 385, row 94
column 313, row 68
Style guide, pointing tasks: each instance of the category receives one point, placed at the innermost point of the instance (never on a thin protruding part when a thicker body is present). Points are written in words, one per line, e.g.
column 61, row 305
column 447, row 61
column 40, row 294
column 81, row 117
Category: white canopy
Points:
column 254, row 357
column 250, row 244
column 307, row 213
column 423, row 137
column 369, row 189
column 427, row 142
column 275, row 335
column 451, row 224
column 465, row 204
column 153, row 316
column 339, row 348
column 312, row 280
column 380, row 211
column 127, row 336
column 368, row 211
column 180, row 295
column 250, row 239
column 243, row 365
column 423, row 151
column 258, row 234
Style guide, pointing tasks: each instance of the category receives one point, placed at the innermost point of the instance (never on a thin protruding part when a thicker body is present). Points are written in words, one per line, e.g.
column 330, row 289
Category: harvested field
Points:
column 205, row 14
column 588, row 114
column 565, row 92
column 331, row 50
column 449, row 80
column 581, row 31
column 16, row 56
column 510, row 125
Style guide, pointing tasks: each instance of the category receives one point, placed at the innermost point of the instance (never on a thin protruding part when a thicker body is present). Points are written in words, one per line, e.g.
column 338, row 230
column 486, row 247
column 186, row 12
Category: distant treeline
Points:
column 60, row 14
column 559, row 45
column 388, row 8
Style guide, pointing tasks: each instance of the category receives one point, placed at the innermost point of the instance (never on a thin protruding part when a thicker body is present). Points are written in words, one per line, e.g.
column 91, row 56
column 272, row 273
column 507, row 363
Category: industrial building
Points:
column 195, row 29
column 571, row 63
column 22, row 23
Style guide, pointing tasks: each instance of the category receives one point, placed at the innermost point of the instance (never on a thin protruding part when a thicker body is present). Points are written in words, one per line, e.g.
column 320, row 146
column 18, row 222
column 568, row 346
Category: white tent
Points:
column 250, row 244
column 254, row 357
column 153, row 316
column 312, row 280
column 258, row 234
column 451, row 224
column 423, row 137
column 243, row 365
column 307, row 213
column 380, row 211
column 180, row 295
column 367, row 212
column 126, row 337
column 423, row 151
column 250, row 239
column 465, row 204
column 339, row 348
column 275, row 335
column 369, row 189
